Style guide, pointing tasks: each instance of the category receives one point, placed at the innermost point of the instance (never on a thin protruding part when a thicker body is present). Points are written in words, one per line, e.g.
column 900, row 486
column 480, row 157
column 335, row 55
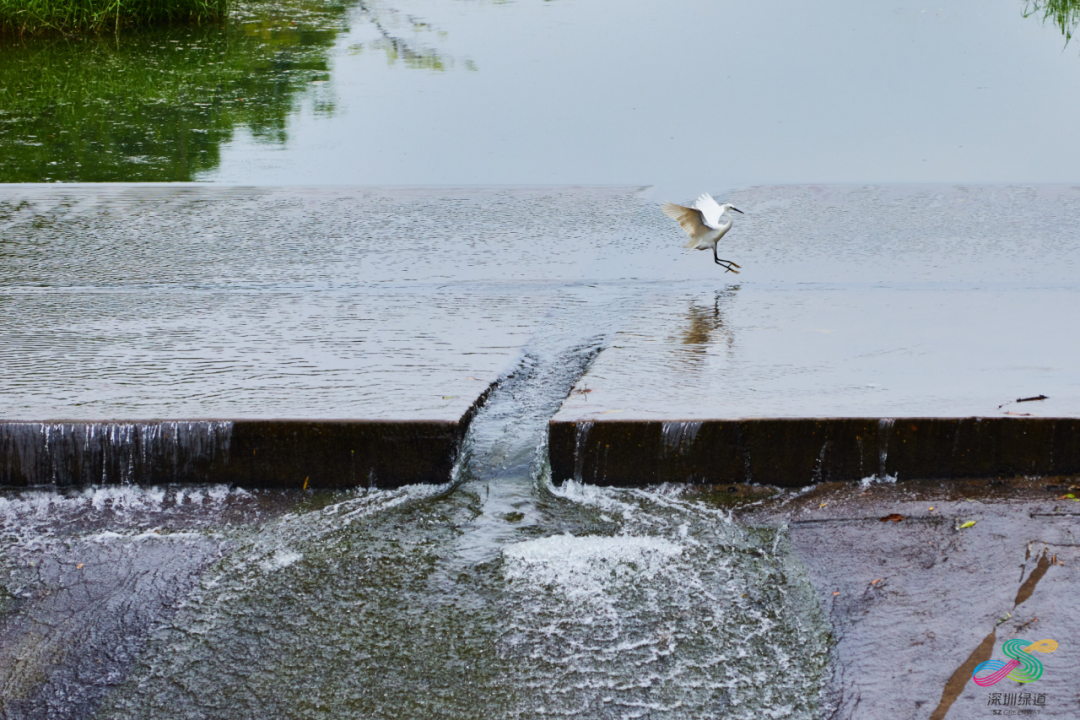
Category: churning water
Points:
column 497, row 594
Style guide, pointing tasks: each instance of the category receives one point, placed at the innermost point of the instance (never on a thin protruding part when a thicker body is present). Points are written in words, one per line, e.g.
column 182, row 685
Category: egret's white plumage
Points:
column 705, row 223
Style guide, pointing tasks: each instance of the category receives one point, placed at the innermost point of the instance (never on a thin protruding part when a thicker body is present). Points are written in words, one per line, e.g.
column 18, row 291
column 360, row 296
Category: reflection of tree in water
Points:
column 707, row 326
column 1065, row 14
column 412, row 55
column 156, row 105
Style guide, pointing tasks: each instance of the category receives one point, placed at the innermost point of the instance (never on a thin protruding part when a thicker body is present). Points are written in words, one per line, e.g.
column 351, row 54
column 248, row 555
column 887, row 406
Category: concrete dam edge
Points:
column 796, row 452
column 297, row 454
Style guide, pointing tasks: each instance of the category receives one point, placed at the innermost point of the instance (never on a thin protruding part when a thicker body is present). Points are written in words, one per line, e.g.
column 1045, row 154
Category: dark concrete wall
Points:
column 796, row 452
column 255, row 453
column 345, row 454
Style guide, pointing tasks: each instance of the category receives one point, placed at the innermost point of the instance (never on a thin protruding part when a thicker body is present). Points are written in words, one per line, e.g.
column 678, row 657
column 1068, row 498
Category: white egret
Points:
column 705, row 223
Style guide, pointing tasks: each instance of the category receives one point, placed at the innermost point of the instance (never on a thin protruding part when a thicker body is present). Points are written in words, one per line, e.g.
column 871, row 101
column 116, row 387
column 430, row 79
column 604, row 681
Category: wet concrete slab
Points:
column 922, row 582
column 872, row 331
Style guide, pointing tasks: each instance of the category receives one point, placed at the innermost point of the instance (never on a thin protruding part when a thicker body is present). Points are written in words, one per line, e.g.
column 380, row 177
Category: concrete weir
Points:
column 873, row 332
column 911, row 331
column 253, row 453
column 793, row 452
column 327, row 351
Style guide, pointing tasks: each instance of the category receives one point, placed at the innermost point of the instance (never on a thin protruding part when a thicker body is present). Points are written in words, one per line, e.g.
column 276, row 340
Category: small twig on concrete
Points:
column 1027, row 399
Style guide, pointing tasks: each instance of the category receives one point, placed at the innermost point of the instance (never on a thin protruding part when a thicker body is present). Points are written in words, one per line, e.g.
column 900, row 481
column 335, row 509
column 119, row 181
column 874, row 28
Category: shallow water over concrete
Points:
column 198, row 303
column 86, row 574
column 946, row 309
column 877, row 301
column 861, row 302
column 922, row 581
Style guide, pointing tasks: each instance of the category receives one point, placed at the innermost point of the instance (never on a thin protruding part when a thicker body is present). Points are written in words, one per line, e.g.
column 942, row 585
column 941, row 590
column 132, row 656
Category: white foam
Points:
column 877, row 480
column 282, row 558
column 582, row 566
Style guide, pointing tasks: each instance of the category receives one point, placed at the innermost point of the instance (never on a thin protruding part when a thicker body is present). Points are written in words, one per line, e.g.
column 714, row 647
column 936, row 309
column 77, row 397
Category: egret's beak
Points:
column 738, row 210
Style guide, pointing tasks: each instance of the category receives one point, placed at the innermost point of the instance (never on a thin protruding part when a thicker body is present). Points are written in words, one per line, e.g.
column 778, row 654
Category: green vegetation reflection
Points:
column 1064, row 14
column 157, row 104
column 20, row 17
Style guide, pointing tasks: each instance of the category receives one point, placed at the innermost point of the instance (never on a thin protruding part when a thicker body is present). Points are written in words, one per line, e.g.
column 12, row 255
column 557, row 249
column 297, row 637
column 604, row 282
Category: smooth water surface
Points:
column 683, row 95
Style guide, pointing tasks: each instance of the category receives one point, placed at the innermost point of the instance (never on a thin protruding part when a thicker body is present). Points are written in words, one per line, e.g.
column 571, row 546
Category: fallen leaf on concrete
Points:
column 931, row 507
column 836, row 593
column 79, row 566
column 969, row 523
column 875, row 582
column 894, row 517
column 822, row 505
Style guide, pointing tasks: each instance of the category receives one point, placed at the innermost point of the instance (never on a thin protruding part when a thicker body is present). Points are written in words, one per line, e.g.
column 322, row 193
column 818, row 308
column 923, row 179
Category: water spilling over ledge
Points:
column 268, row 454
column 789, row 376
column 793, row 452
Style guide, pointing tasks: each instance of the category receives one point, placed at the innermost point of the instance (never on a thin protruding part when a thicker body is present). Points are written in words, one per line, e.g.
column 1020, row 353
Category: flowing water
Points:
column 496, row 593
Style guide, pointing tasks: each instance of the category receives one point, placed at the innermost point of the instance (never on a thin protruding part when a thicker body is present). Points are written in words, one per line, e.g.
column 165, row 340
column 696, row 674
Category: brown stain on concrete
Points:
column 959, row 679
column 1036, row 575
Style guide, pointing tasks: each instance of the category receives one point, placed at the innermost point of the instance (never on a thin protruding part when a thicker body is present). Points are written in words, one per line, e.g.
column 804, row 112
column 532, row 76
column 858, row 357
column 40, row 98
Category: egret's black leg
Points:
column 726, row 264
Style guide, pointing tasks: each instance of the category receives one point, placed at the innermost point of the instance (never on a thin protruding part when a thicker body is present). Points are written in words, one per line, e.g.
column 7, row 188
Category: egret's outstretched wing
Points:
column 689, row 220
column 710, row 210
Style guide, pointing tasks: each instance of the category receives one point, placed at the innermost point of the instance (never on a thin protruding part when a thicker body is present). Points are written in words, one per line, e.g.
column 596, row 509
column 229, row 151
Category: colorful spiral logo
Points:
column 1023, row 667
